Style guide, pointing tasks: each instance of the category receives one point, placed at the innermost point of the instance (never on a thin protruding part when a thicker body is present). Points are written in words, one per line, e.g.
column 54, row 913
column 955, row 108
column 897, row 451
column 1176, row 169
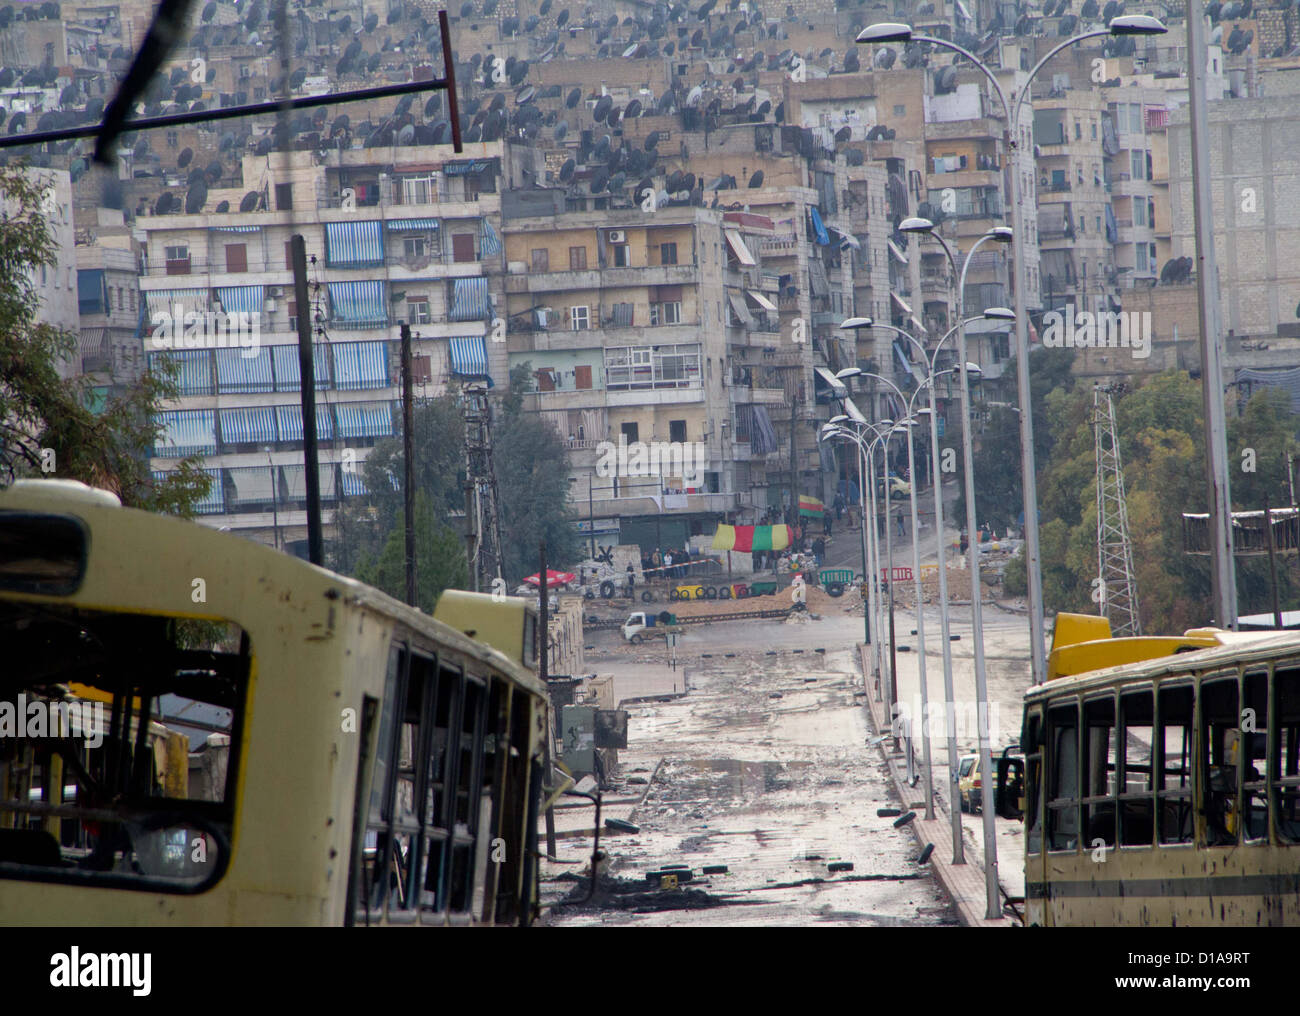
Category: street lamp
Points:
column 998, row 234
column 828, row 431
column 1132, row 24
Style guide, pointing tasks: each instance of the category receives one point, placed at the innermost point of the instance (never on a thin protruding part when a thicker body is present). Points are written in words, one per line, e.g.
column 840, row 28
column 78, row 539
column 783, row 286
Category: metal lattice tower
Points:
column 1119, row 598
column 482, row 502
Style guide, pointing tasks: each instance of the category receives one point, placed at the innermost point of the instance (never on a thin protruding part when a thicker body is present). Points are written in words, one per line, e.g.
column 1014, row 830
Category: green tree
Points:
column 532, row 471
column 48, row 427
column 439, row 558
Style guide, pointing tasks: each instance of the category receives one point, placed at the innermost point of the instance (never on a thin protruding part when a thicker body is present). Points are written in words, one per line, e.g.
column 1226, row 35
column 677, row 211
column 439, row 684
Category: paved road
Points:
column 762, row 767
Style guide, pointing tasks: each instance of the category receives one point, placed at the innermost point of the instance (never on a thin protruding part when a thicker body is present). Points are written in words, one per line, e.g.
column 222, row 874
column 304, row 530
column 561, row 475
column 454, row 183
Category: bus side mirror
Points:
column 1010, row 788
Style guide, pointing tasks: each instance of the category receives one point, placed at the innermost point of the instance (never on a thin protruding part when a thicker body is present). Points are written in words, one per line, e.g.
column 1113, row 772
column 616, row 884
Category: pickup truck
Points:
column 640, row 621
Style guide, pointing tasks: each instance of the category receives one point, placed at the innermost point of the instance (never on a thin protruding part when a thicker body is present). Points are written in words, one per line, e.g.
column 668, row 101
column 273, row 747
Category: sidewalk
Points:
column 963, row 882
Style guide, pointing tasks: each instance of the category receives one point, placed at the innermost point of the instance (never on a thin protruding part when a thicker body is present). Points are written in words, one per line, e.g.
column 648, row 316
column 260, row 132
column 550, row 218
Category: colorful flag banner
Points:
column 751, row 538
column 810, row 506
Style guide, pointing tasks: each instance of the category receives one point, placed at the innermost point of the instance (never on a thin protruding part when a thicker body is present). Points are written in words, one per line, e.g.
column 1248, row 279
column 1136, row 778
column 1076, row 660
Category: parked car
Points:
column 969, row 789
column 898, row 488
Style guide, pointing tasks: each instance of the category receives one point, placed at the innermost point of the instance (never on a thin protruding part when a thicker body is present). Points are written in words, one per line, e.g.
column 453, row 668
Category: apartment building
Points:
column 393, row 235
column 1076, row 224
column 636, row 327
column 110, row 351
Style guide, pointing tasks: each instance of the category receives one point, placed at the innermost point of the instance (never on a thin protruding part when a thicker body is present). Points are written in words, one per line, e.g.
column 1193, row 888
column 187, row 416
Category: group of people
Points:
column 673, row 564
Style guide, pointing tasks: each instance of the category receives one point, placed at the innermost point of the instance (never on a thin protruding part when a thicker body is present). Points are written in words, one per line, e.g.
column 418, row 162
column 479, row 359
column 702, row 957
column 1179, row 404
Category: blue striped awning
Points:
column 237, row 373
column 288, row 376
column 241, row 299
column 359, row 303
column 469, row 356
column 353, row 485
column 237, row 229
column 364, row 419
column 469, row 300
column 186, row 432
column 819, row 227
column 406, row 225
column 354, row 243
column 212, row 503
column 164, row 301
column 902, row 358
column 289, row 419
column 253, row 425
column 490, row 242
column 360, row 365
column 193, row 369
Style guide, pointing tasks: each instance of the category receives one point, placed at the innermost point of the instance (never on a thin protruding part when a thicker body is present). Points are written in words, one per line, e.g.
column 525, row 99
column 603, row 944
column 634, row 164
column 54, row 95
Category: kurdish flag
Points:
column 809, row 505
column 751, row 538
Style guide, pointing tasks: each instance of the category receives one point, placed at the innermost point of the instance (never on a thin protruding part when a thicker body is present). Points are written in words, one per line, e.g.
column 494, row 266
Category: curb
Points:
column 963, row 883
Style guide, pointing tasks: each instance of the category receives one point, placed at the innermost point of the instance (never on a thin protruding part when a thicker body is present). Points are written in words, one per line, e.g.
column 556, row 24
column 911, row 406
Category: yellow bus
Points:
column 281, row 746
column 1164, row 791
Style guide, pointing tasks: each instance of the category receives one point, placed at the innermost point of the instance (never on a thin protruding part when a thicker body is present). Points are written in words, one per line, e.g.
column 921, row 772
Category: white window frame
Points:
column 418, row 311
column 580, row 318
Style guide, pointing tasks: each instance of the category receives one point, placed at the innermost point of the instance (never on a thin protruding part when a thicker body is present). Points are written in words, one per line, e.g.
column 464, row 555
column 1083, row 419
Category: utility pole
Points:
column 794, row 474
column 1218, row 495
column 408, row 465
column 543, row 661
column 307, row 383
column 482, row 511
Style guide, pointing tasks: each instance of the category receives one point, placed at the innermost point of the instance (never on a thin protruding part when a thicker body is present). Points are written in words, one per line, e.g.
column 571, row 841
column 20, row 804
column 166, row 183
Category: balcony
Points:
column 602, row 278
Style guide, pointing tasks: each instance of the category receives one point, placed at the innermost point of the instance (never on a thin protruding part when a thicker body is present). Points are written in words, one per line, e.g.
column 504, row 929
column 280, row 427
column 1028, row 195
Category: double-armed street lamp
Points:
column 890, row 32
column 929, row 358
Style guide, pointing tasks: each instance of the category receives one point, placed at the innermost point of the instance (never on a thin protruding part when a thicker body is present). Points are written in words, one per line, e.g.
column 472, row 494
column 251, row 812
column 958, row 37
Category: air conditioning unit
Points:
column 274, row 291
column 617, row 236
column 268, row 305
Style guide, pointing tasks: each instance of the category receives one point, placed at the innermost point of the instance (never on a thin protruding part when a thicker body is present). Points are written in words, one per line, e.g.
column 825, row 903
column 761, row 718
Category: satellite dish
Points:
column 669, row 48
column 475, row 133
column 196, row 198
column 615, row 115
column 694, row 96
column 545, row 9
column 573, row 98
column 599, row 181
column 603, row 106
column 617, row 182
column 633, row 110
column 562, row 18
column 843, row 134
column 441, row 131
column 566, row 171
column 525, row 95
column 652, row 139
column 631, row 50
column 688, row 182
column 222, row 207
column 756, row 180
column 406, row 135
column 164, row 204
column 561, row 129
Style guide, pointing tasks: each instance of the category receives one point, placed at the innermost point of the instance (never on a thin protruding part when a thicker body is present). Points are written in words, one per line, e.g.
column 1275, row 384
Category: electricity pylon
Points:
column 1117, row 587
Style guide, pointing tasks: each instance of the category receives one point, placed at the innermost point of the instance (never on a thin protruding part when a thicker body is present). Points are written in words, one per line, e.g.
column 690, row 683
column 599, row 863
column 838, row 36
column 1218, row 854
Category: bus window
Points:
column 377, row 858
column 1254, row 742
column 1099, row 771
column 1136, row 822
column 469, row 779
column 123, row 766
column 1286, row 738
column 1220, row 745
column 1174, row 764
column 1063, row 790
column 1033, row 746
column 442, row 764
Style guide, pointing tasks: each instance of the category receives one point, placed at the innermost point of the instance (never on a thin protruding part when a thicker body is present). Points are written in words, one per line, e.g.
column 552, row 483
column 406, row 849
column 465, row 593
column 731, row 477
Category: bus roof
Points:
column 102, row 511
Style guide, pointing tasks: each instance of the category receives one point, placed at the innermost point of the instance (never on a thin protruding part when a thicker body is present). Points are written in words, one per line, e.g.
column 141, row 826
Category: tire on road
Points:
column 724, row 592
column 647, row 596
column 710, row 592
column 636, row 639
column 588, row 595
column 607, row 590
column 674, row 595
column 835, row 589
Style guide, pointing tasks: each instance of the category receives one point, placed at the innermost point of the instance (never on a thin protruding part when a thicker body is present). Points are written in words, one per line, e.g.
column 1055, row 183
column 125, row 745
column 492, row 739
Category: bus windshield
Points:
column 117, row 736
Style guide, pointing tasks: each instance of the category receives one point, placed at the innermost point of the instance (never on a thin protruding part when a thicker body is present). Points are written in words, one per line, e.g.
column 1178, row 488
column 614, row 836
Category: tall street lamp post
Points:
column 1134, row 24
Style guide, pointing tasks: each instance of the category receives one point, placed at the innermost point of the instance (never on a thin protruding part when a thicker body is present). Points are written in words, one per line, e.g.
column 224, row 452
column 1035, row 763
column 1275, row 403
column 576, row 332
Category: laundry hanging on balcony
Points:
column 819, row 227
column 751, row 538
